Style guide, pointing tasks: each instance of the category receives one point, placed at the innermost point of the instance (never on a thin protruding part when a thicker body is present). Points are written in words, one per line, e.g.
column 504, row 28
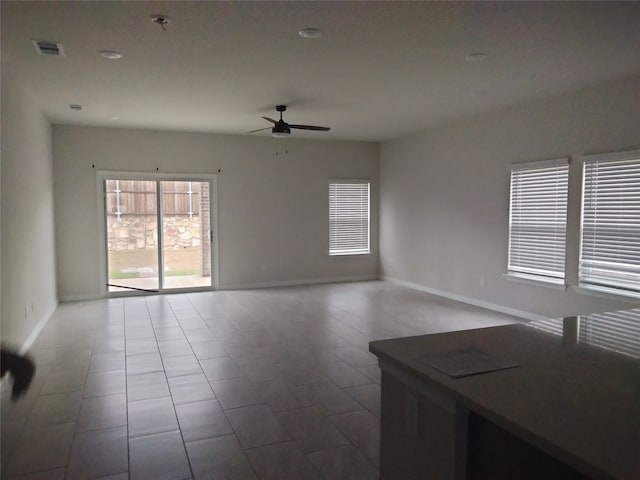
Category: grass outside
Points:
column 132, row 263
column 119, row 275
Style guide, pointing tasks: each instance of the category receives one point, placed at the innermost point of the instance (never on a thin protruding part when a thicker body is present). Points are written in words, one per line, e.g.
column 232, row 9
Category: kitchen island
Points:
column 564, row 409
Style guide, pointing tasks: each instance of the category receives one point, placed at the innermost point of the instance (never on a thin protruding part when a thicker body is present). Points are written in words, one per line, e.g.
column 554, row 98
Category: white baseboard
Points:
column 294, row 283
column 37, row 329
column 81, row 298
column 247, row 286
column 314, row 281
column 471, row 301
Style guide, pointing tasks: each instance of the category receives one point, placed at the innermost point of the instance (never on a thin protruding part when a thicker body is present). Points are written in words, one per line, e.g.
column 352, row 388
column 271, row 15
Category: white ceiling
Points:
column 381, row 69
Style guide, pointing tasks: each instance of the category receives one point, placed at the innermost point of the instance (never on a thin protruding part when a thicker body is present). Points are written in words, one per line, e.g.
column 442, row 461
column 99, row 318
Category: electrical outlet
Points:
column 483, row 281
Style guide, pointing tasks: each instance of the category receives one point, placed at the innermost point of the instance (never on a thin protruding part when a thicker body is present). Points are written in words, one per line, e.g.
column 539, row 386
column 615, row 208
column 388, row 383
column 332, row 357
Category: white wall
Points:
column 27, row 225
column 444, row 198
column 273, row 212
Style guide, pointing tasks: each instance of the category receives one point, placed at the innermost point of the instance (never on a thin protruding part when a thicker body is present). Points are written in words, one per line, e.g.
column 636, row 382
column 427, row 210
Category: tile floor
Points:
column 255, row 384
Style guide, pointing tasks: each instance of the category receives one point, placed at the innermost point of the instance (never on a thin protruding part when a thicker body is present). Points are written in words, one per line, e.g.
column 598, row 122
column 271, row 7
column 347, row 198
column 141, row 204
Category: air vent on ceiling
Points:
column 47, row 47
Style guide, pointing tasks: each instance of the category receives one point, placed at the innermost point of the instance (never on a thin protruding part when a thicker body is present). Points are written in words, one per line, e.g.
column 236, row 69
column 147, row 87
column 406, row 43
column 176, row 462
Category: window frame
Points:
column 355, row 251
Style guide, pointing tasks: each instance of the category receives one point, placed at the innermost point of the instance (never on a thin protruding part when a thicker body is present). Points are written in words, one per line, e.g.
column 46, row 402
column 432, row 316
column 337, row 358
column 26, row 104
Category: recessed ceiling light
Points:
column 75, row 106
column 476, row 56
column 310, row 33
column 111, row 54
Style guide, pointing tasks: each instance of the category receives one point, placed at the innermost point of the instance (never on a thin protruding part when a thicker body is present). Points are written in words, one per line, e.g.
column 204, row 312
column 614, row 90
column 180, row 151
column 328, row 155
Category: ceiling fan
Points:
column 282, row 129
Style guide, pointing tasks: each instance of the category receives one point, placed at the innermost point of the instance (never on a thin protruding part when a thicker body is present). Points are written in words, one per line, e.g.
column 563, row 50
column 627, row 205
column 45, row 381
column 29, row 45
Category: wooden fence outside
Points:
column 138, row 197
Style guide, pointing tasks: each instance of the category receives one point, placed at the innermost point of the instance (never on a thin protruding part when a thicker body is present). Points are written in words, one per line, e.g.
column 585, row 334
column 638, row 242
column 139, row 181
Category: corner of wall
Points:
column 39, row 325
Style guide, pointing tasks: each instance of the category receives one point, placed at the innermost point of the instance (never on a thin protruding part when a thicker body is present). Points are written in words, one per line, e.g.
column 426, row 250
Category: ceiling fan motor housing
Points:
column 281, row 127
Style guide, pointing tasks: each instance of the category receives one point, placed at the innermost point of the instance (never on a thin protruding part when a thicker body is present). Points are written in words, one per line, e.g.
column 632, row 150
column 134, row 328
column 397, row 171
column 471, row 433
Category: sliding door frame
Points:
column 212, row 179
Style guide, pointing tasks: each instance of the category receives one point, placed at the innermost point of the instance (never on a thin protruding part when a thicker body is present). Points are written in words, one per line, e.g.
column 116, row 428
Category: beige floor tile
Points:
column 98, row 453
column 190, row 388
column 287, row 369
column 220, row 457
column 257, row 426
column 283, row 461
column 43, row 448
column 200, row 420
column 311, row 429
column 158, row 457
column 343, row 463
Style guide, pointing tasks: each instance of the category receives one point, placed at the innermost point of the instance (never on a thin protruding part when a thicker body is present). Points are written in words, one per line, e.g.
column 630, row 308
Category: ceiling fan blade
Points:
column 260, row 130
column 310, row 127
column 270, row 120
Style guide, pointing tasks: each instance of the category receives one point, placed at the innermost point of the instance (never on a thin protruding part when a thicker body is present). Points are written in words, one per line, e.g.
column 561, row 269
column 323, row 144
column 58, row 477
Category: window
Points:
column 349, row 217
column 538, row 220
column 610, row 227
column 618, row 331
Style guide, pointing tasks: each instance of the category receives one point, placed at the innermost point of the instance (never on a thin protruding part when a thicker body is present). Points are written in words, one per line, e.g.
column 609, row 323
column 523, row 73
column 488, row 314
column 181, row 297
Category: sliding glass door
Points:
column 185, row 234
column 141, row 257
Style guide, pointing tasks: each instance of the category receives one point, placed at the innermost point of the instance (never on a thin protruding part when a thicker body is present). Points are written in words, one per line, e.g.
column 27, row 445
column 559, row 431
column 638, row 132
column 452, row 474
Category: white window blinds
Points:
column 538, row 219
column 610, row 233
column 348, row 217
column 617, row 331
